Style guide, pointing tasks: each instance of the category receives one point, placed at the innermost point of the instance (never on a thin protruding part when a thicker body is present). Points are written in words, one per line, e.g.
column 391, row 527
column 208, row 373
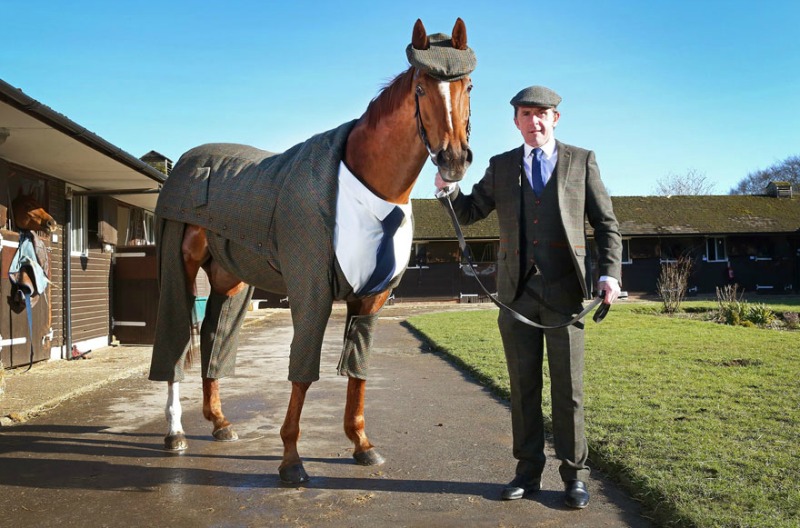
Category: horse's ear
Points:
column 459, row 35
column 419, row 38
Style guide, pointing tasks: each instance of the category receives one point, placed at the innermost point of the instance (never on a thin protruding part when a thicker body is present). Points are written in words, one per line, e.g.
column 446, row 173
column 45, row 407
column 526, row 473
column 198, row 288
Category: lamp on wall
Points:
column 4, row 133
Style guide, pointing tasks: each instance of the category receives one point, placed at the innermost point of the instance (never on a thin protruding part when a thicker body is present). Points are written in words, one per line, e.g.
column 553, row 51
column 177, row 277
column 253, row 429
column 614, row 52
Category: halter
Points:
column 423, row 135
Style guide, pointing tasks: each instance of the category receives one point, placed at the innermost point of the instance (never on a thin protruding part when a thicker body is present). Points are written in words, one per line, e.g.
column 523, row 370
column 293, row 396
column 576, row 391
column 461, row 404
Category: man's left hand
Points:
column 611, row 288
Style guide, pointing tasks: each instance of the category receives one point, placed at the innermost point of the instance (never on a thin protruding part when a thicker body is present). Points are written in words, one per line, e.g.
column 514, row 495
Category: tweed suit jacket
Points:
column 581, row 196
column 270, row 221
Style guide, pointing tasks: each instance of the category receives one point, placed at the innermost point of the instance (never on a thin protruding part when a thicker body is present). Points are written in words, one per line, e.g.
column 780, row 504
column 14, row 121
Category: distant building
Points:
column 158, row 161
column 757, row 236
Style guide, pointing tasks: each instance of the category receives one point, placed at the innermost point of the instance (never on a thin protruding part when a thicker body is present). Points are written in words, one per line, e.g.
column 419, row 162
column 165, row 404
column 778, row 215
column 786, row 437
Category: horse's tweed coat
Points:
column 270, row 221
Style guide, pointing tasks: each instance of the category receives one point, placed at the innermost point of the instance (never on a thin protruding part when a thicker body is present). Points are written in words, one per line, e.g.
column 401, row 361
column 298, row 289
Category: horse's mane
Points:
column 390, row 98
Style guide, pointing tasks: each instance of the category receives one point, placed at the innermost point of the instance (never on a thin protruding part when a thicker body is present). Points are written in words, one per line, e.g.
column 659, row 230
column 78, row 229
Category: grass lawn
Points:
column 699, row 421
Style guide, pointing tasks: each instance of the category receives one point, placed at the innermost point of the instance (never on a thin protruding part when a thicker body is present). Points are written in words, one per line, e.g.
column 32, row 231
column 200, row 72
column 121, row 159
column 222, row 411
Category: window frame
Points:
column 79, row 232
column 715, row 241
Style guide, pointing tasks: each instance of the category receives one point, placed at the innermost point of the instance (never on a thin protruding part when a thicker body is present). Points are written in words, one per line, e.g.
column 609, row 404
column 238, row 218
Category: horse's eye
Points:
column 469, row 88
column 420, row 90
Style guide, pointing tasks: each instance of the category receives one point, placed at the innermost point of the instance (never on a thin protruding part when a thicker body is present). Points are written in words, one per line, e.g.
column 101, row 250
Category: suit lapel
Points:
column 516, row 174
column 562, row 175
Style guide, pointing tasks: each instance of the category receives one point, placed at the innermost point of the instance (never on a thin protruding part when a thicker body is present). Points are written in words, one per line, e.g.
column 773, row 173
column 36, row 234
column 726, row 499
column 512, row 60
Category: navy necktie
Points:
column 385, row 262
column 537, row 181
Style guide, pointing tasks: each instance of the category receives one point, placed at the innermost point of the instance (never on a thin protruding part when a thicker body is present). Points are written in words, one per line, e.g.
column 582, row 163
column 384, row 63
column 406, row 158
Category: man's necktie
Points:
column 385, row 262
column 537, row 180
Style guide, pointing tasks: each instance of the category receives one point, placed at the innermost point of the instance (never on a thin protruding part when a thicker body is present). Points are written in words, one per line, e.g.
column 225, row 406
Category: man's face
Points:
column 536, row 124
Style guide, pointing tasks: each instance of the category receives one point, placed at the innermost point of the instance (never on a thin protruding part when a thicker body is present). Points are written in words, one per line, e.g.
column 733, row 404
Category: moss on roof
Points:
column 674, row 215
column 648, row 215
column 431, row 222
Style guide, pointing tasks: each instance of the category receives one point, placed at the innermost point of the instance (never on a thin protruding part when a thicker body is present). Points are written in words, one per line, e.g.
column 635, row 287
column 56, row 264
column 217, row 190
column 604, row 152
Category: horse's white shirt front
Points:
column 358, row 230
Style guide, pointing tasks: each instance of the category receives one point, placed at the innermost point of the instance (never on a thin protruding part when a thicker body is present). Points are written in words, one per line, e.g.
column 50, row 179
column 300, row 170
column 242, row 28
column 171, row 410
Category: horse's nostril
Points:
column 469, row 156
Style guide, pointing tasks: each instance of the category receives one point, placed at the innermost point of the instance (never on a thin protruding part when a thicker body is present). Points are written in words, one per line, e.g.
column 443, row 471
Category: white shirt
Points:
column 549, row 159
column 358, row 230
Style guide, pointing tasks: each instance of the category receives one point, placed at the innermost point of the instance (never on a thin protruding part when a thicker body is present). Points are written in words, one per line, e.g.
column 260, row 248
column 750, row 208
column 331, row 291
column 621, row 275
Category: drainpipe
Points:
column 67, row 322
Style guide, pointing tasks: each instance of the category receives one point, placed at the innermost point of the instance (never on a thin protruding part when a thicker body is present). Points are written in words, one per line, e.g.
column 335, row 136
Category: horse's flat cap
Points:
column 536, row 96
column 441, row 60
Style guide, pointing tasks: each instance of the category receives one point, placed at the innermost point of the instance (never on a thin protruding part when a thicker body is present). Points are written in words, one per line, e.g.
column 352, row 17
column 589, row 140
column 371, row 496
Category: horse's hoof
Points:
column 176, row 442
column 225, row 434
column 293, row 475
column 370, row 457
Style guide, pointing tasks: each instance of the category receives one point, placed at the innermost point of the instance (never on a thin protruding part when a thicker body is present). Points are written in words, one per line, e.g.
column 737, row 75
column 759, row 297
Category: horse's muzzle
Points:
column 452, row 164
column 50, row 226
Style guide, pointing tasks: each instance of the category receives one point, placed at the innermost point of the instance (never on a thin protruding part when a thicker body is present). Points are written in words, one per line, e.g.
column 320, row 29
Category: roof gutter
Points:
column 17, row 98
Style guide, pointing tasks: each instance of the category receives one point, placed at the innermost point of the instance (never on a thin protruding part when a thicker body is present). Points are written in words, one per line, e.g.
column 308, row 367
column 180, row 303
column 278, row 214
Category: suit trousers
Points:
column 219, row 330
column 550, row 303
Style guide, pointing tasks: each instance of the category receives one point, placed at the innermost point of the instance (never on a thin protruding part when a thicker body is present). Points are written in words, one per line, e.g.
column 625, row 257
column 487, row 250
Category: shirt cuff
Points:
column 448, row 190
column 606, row 278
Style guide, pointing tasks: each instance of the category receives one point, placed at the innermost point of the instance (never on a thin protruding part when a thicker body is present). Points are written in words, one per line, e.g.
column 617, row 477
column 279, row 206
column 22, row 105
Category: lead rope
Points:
column 599, row 315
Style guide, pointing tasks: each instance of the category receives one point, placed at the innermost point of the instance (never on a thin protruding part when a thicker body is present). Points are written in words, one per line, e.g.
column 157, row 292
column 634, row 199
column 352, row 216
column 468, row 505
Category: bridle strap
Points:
column 423, row 134
column 601, row 312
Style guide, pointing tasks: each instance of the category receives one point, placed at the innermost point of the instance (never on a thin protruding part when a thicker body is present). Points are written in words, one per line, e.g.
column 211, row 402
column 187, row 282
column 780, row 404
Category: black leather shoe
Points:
column 577, row 496
column 521, row 486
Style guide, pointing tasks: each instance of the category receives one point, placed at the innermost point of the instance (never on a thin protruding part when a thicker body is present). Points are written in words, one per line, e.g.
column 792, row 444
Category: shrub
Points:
column 673, row 282
column 734, row 313
column 792, row 320
column 761, row 315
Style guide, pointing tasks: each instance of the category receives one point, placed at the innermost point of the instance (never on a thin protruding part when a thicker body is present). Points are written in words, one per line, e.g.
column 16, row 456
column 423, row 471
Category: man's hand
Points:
column 611, row 288
column 439, row 182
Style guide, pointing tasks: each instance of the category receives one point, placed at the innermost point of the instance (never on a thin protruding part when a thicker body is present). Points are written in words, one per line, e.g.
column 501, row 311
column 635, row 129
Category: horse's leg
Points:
column 364, row 452
column 176, row 438
column 212, row 410
column 225, row 310
column 291, row 469
column 173, row 326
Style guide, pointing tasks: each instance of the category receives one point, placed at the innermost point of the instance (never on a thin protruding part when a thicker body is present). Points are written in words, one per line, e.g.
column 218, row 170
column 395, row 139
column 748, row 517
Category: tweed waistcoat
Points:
column 542, row 237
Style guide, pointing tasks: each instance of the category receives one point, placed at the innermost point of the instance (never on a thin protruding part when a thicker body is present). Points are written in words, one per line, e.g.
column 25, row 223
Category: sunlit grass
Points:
column 700, row 421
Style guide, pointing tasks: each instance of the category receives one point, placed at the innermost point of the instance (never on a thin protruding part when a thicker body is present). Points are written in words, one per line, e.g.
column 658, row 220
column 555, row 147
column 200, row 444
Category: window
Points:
column 419, row 255
column 79, row 239
column 149, row 230
column 715, row 249
column 626, row 251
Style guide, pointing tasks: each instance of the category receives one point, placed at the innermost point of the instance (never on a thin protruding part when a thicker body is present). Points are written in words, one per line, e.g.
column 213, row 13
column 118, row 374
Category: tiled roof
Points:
column 648, row 215
column 673, row 215
column 431, row 222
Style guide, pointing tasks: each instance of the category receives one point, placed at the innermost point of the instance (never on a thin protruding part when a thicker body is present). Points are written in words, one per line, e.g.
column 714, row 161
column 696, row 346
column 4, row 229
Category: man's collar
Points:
column 548, row 148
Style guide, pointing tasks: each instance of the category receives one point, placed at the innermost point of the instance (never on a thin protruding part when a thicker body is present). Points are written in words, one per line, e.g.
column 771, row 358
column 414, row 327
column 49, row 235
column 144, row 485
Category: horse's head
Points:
column 442, row 97
column 30, row 215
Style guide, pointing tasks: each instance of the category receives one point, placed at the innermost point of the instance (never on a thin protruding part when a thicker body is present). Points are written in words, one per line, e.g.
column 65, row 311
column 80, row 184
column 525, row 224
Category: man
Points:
column 543, row 191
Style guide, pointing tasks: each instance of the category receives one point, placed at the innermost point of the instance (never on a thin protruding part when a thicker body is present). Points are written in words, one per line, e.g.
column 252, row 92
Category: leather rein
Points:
column 599, row 315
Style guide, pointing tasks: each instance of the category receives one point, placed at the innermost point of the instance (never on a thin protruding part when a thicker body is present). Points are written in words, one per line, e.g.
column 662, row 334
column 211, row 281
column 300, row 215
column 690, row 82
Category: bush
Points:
column 761, row 315
column 673, row 281
column 736, row 312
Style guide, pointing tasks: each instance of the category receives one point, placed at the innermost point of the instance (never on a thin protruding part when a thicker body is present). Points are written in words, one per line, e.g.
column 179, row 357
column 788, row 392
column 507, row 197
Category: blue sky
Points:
column 652, row 87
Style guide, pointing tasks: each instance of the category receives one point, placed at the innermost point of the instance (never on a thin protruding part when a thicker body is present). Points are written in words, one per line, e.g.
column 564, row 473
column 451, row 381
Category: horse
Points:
column 30, row 215
column 422, row 114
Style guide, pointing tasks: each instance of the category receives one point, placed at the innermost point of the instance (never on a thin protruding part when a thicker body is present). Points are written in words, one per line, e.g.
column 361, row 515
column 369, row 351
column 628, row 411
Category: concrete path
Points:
column 95, row 458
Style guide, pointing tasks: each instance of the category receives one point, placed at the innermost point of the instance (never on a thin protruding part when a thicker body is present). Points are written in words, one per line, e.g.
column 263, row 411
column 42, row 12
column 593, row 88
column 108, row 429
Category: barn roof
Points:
column 648, row 216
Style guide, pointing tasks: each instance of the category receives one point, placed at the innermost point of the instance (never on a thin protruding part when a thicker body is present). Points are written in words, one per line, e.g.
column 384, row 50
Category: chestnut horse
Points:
column 29, row 215
column 416, row 117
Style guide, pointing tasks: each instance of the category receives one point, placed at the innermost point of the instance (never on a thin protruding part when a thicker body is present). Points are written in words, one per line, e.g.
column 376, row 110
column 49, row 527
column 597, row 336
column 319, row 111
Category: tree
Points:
column 756, row 182
column 693, row 182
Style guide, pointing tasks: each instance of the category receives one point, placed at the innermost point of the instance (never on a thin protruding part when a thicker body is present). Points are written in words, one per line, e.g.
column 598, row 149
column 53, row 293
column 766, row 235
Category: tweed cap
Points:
column 536, row 96
column 441, row 60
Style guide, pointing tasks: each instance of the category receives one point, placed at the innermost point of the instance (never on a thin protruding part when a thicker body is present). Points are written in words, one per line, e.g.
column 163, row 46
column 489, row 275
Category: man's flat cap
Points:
column 536, row 96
